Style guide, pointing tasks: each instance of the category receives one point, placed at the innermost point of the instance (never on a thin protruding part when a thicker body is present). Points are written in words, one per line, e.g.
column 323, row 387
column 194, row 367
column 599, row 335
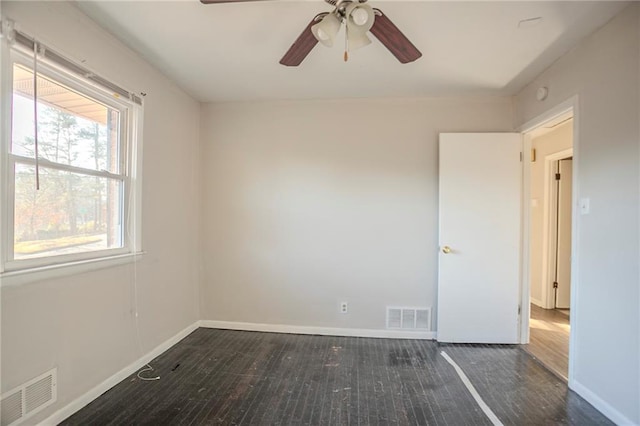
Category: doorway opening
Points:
column 550, row 242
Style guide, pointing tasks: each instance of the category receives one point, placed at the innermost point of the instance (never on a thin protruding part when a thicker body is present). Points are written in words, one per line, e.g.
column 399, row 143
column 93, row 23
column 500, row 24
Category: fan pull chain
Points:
column 35, row 112
column 346, row 43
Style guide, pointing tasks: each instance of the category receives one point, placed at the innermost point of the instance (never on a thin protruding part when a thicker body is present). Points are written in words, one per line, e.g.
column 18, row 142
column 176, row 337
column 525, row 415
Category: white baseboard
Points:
column 324, row 331
column 602, row 406
column 82, row 401
column 537, row 302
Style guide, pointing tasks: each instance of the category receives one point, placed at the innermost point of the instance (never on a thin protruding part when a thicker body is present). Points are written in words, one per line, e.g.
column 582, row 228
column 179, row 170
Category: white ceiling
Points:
column 229, row 52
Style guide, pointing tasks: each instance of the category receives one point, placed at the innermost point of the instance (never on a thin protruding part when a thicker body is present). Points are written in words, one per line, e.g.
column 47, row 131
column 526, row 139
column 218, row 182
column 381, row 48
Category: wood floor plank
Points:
column 549, row 339
column 235, row 377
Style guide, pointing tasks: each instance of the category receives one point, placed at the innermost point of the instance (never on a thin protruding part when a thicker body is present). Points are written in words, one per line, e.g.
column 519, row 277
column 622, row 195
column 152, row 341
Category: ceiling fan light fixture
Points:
column 326, row 30
column 357, row 39
column 360, row 17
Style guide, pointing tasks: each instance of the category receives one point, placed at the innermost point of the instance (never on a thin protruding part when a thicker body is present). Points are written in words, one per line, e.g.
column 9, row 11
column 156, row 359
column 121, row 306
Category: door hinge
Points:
column 520, row 156
column 555, row 284
column 519, row 309
column 557, row 176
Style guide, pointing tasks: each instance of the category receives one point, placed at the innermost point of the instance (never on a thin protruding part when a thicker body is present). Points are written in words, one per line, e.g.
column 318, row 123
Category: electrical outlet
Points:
column 344, row 308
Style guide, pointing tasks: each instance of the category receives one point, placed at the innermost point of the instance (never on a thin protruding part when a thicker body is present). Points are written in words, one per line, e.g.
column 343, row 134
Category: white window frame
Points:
column 129, row 173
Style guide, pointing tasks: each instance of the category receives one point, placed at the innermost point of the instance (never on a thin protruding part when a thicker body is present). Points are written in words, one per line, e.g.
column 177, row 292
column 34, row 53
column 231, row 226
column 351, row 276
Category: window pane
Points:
column 72, row 128
column 71, row 213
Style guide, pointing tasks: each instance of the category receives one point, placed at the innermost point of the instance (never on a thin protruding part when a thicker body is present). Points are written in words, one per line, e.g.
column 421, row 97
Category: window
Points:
column 72, row 195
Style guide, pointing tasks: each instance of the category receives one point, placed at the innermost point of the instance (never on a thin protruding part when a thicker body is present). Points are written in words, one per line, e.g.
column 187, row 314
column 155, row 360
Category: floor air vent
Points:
column 26, row 400
column 409, row 318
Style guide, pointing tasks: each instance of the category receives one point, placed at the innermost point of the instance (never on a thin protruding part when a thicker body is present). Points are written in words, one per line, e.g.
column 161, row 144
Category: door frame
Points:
column 548, row 232
column 570, row 105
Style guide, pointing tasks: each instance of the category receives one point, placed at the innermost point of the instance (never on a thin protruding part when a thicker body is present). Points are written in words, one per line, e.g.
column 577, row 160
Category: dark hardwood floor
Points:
column 549, row 339
column 235, row 377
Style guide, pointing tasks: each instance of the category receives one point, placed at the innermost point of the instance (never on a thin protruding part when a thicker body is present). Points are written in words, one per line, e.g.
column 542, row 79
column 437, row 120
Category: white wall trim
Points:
column 572, row 105
column 537, row 302
column 525, row 241
column 575, row 243
column 569, row 105
column 323, row 331
column 602, row 406
column 564, row 107
column 83, row 400
column 48, row 272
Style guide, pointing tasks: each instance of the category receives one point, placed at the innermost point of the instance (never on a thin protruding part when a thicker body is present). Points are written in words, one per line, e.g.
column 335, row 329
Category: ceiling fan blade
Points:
column 393, row 39
column 301, row 47
column 226, row 1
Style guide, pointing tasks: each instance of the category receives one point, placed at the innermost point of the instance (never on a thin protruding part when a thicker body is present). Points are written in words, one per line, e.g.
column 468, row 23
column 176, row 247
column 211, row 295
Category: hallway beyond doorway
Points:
column 549, row 339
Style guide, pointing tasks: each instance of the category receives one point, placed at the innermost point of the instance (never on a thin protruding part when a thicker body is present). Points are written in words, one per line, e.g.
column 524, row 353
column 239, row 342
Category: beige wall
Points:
column 604, row 72
column 310, row 203
column 559, row 139
column 84, row 323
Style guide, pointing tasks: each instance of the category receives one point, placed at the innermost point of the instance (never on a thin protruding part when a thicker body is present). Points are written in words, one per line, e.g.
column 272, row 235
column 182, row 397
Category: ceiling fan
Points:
column 359, row 18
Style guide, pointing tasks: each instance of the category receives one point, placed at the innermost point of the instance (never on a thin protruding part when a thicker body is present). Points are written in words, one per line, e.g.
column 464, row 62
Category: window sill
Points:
column 41, row 273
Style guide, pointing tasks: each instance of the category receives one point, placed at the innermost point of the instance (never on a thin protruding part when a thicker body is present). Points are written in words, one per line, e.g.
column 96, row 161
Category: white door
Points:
column 563, row 295
column 480, row 226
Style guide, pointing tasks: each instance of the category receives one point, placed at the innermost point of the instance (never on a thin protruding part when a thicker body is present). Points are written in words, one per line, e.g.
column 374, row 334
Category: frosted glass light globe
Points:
column 322, row 35
column 359, row 16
